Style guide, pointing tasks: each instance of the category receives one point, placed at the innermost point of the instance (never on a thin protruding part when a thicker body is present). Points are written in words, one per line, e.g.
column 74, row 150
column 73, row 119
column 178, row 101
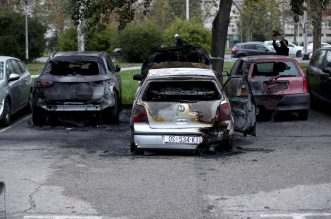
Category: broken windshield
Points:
column 278, row 69
column 73, row 66
column 181, row 91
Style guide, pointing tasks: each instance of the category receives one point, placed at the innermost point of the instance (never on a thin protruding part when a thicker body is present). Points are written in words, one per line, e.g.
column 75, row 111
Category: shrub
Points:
column 67, row 40
column 191, row 32
column 138, row 38
column 12, row 36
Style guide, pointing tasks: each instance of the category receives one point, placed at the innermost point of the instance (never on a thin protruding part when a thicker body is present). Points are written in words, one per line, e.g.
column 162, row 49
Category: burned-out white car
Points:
column 77, row 82
column 182, row 105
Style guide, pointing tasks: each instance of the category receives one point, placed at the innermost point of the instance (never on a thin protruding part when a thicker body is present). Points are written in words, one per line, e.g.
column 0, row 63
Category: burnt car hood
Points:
column 183, row 56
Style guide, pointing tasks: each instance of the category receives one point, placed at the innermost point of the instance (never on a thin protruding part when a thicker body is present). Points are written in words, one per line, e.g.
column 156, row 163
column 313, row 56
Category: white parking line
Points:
column 296, row 215
column 60, row 217
column 14, row 124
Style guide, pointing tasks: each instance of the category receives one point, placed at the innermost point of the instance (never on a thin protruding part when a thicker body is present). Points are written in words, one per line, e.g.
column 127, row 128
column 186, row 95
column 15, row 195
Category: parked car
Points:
column 77, row 82
column 319, row 76
column 15, row 87
column 294, row 50
column 250, row 49
column 278, row 83
column 310, row 48
column 182, row 105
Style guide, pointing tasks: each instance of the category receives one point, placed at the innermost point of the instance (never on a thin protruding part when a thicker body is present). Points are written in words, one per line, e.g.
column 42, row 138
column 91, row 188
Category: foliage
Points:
column 179, row 8
column 103, row 40
column 137, row 39
column 190, row 31
column 67, row 40
column 256, row 28
column 12, row 35
column 161, row 13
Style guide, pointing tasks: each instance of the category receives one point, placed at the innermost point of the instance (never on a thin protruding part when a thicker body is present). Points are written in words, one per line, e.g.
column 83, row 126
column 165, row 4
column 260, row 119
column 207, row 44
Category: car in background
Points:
column 310, row 48
column 319, row 76
column 85, row 82
column 15, row 87
column 278, row 84
column 251, row 49
column 294, row 50
column 181, row 104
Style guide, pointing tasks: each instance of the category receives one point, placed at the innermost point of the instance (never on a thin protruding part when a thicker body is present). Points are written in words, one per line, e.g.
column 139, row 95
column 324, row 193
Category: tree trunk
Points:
column 219, row 33
column 316, row 15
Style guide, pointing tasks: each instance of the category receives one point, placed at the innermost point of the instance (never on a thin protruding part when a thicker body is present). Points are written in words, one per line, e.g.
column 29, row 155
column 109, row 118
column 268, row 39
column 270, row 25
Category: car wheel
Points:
column 115, row 111
column 5, row 115
column 39, row 116
column 225, row 145
column 303, row 114
column 298, row 54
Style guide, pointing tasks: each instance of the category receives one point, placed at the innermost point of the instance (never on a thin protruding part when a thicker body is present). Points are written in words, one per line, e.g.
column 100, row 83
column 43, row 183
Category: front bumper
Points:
column 290, row 102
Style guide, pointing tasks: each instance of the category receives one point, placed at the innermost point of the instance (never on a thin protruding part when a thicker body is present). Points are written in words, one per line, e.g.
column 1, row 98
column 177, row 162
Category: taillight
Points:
column 140, row 114
column 44, row 83
column 305, row 84
column 223, row 112
column 234, row 50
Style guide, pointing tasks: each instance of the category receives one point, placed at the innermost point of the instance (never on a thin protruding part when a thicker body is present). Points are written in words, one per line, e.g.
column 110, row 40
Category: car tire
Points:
column 303, row 114
column 39, row 116
column 225, row 145
column 5, row 117
column 298, row 53
column 114, row 114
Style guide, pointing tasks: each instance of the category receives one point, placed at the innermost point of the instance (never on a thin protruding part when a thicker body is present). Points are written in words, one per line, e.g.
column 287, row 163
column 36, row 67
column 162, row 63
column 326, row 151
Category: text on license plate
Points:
column 182, row 139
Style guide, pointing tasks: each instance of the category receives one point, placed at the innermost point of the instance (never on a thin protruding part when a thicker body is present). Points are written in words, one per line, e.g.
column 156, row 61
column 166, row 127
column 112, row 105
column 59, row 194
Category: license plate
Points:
column 182, row 139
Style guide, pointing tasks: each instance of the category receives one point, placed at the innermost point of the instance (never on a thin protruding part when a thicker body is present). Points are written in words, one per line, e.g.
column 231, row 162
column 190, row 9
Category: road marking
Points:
column 14, row 124
column 295, row 215
column 60, row 217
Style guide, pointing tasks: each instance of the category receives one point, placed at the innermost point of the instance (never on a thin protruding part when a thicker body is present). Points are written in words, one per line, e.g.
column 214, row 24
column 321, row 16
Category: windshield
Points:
column 1, row 70
column 181, row 91
column 63, row 66
column 280, row 69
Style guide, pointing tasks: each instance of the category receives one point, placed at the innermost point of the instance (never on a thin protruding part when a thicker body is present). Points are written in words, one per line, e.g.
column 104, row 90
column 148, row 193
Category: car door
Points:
column 13, row 87
column 326, row 76
column 315, row 73
column 242, row 103
column 25, row 81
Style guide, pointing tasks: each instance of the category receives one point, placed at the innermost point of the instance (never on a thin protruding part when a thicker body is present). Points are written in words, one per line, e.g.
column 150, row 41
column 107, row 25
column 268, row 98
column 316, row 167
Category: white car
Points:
column 294, row 50
column 310, row 48
column 15, row 87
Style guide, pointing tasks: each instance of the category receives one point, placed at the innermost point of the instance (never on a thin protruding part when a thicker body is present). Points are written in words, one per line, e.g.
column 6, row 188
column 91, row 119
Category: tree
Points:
column 161, row 13
column 12, row 35
column 316, row 8
column 219, row 33
column 179, row 8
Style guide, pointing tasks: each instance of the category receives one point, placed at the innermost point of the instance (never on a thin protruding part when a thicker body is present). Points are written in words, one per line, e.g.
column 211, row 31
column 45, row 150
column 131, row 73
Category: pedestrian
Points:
column 282, row 49
column 179, row 40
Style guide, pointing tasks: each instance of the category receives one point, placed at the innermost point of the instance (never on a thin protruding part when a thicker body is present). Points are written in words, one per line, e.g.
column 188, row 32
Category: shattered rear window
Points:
column 281, row 68
column 181, row 91
column 72, row 66
column 1, row 70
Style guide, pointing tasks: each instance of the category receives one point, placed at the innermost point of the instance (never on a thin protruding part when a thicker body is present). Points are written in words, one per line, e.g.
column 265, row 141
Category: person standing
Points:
column 282, row 49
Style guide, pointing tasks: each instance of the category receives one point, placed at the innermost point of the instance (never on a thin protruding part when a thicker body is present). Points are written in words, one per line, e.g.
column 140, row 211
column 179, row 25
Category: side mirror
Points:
column 117, row 68
column 138, row 77
column 13, row 77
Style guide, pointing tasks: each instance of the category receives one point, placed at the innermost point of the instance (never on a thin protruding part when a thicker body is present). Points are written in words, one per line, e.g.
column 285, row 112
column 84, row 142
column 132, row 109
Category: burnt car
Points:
column 319, row 76
column 182, row 105
column 278, row 84
column 15, row 87
column 77, row 82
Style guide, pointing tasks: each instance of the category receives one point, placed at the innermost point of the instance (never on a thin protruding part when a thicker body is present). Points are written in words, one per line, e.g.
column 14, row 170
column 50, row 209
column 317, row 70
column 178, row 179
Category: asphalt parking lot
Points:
column 80, row 171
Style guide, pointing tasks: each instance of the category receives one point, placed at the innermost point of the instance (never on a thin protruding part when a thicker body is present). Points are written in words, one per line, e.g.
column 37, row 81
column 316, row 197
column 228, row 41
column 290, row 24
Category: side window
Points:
column 328, row 59
column 110, row 65
column 261, row 48
column 21, row 65
column 16, row 67
column 318, row 59
column 9, row 68
column 235, row 67
column 1, row 70
column 240, row 68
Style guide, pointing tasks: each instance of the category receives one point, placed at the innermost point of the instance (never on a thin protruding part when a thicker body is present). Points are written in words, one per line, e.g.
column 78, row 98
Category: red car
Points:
column 278, row 83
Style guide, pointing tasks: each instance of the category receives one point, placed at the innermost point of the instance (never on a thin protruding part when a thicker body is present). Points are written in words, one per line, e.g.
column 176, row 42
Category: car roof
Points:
column 77, row 53
column 251, row 42
column 263, row 58
column 5, row 58
column 180, row 72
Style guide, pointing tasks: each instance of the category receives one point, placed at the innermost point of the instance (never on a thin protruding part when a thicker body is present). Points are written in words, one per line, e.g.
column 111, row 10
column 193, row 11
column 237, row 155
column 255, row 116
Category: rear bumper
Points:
column 74, row 107
column 290, row 102
column 154, row 139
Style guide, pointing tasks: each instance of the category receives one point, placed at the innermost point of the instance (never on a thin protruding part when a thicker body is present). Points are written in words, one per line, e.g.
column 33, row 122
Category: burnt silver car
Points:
column 15, row 87
column 182, row 105
column 77, row 82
